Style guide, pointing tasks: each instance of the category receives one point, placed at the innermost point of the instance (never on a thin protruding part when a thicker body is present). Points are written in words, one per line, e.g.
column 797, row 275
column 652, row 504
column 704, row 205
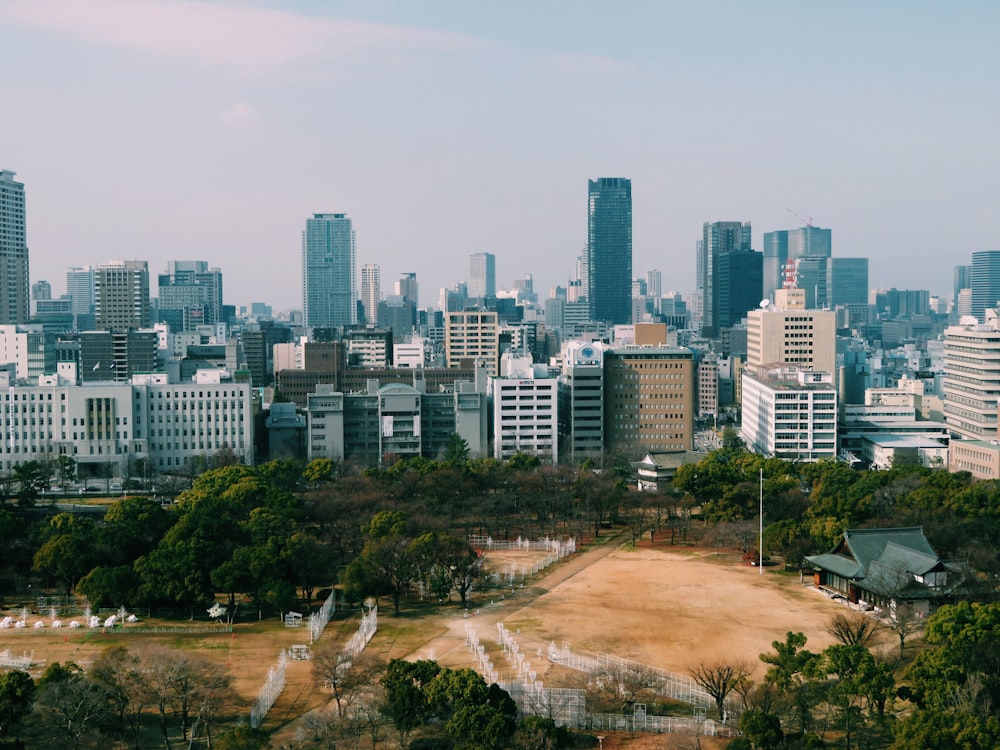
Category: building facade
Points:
column 984, row 280
column 971, row 382
column 472, row 335
column 609, row 249
column 714, row 278
column 788, row 333
column 328, row 272
column 121, row 295
column 581, row 400
column 14, row 281
column 525, row 411
column 649, row 399
column 789, row 413
column 371, row 291
column 190, row 294
column 482, row 276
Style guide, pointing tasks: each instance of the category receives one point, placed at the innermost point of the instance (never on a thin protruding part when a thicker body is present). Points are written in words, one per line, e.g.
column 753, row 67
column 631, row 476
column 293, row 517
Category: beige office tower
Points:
column 786, row 332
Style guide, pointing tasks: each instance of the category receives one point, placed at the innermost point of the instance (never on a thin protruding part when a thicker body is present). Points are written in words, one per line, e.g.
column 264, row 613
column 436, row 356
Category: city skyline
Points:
column 442, row 130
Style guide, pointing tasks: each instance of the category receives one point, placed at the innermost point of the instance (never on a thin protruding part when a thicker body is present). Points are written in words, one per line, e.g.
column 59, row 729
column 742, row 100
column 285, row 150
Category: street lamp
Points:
column 760, row 551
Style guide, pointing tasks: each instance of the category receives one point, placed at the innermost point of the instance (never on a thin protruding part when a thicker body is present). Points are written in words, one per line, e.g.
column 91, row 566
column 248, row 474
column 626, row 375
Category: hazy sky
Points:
column 201, row 130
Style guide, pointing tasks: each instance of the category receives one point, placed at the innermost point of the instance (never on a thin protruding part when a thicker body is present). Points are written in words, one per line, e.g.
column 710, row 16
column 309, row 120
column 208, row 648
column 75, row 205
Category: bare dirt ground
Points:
column 668, row 607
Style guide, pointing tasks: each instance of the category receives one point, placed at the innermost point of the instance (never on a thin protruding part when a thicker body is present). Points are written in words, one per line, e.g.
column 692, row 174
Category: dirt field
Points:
column 662, row 607
column 665, row 607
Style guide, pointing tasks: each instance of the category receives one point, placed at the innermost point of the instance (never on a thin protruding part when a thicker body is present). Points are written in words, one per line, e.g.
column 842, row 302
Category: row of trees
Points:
column 117, row 701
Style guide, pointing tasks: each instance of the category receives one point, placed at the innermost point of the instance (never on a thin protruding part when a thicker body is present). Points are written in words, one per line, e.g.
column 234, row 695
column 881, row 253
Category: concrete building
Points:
column 649, row 399
column 371, row 291
column 581, row 400
column 971, row 382
column 482, row 276
column 190, row 294
column 110, row 424
column 789, row 412
column 121, row 295
column 708, row 387
column 525, row 410
column 80, row 287
column 472, row 335
column 369, row 347
column 981, row 458
column 787, row 332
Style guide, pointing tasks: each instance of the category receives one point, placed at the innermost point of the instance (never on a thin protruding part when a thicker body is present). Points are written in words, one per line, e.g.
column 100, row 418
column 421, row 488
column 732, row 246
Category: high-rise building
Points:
column 14, row 307
column 482, row 276
column 41, row 290
column 328, row 272
column 963, row 280
column 371, row 292
column 525, row 410
column 121, row 295
column 609, row 249
column 654, row 283
column 775, row 257
column 649, row 398
column 788, row 333
column 811, row 276
column 581, row 400
column 809, row 242
column 472, row 336
column 80, row 287
column 971, row 381
column 407, row 288
column 789, row 412
column 985, row 281
column 190, row 294
column 847, row 281
column 716, row 282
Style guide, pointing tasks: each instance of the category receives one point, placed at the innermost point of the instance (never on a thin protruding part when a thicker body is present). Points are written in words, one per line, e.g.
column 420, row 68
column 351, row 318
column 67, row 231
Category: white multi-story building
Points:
column 112, row 423
column 971, row 382
column 789, row 413
column 525, row 410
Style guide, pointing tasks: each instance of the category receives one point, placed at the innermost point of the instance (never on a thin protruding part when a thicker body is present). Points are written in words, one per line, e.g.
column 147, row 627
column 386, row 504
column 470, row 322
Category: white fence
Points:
column 273, row 685
column 318, row 620
column 668, row 684
column 641, row 722
column 366, row 630
column 488, row 543
column 9, row 661
column 566, row 707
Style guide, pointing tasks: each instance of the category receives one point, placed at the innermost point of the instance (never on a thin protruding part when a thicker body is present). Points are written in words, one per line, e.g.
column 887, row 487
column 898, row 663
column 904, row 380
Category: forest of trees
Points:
column 279, row 536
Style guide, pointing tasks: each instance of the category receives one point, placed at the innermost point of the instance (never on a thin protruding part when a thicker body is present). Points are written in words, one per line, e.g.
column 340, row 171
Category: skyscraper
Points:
column 847, row 281
column 609, row 249
column 809, row 242
column 715, row 281
column 963, row 280
column 407, row 287
column 985, row 281
column 371, row 291
column 13, row 251
column 482, row 276
column 121, row 295
column 190, row 294
column 328, row 271
column 775, row 257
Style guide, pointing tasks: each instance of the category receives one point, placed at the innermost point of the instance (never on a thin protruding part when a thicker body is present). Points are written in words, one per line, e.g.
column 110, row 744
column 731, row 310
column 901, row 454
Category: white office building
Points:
column 525, row 413
column 789, row 413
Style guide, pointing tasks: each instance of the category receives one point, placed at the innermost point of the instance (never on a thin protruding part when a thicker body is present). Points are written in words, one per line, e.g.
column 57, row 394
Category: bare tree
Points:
column 853, row 629
column 348, row 678
column 120, row 672
column 618, row 686
column 904, row 622
column 719, row 680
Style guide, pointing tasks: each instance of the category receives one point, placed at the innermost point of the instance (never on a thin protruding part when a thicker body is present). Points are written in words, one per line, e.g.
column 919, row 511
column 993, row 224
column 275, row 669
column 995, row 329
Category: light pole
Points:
column 760, row 551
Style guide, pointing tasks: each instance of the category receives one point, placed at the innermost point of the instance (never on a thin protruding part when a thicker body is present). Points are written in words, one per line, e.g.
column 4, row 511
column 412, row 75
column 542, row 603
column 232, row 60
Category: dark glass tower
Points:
column 609, row 249
column 715, row 281
column 985, row 281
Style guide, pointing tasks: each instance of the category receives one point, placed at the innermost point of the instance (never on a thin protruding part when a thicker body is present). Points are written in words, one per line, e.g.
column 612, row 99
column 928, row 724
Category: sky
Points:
column 210, row 130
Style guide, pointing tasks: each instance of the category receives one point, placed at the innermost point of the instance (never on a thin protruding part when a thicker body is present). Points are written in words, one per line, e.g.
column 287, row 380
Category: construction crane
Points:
column 808, row 221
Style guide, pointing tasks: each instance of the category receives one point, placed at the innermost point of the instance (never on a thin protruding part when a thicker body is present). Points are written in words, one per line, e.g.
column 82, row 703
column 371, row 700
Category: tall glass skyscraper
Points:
column 985, row 282
column 847, row 281
column 775, row 257
column 482, row 275
column 14, row 299
column 716, row 280
column 609, row 249
column 328, row 272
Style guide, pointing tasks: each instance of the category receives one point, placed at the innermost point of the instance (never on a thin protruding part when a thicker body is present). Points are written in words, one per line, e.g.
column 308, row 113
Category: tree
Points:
column 789, row 665
column 719, row 680
column 121, row 674
column 852, row 681
column 406, row 705
column 853, row 629
column 243, row 738
column 69, row 711
column 17, row 691
column 762, row 730
column 347, row 677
